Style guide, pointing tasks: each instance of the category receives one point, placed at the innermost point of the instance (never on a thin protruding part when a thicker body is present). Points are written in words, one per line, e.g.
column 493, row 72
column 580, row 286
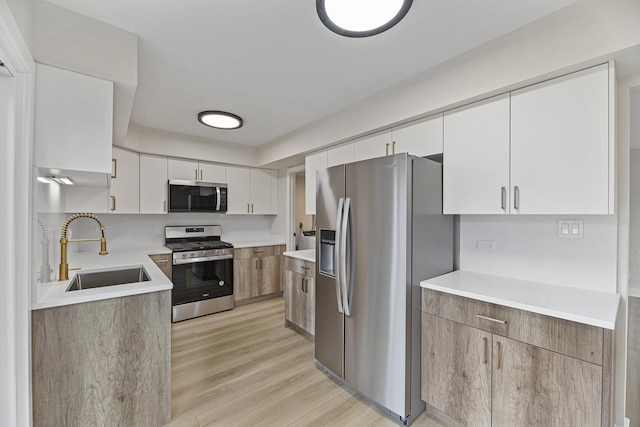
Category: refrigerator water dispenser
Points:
column 327, row 250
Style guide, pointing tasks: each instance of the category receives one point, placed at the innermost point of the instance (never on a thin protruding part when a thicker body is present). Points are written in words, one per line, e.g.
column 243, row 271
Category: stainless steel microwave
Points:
column 195, row 196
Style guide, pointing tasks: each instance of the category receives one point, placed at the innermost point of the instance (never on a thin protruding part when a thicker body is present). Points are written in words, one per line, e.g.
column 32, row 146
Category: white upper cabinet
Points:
column 372, row 146
column 153, row 184
column 420, row 138
column 476, row 158
column 250, row 191
column 194, row 170
column 543, row 149
column 340, row 154
column 73, row 121
column 560, row 145
column 312, row 163
column 125, row 182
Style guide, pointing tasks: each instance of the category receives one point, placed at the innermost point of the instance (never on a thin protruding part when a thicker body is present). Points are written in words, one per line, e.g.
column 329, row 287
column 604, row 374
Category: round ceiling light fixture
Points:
column 220, row 120
column 361, row 18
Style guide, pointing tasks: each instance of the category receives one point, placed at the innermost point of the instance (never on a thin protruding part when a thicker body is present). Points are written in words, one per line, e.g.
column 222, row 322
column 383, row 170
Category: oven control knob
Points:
column 193, row 255
column 221, row 283
column 184, row 255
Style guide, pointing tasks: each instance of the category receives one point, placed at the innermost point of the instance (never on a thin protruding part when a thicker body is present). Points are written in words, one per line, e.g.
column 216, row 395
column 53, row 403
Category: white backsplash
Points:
column 527, row 247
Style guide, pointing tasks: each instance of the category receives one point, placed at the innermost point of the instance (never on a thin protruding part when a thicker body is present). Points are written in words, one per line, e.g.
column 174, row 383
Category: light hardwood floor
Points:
column 244, row 368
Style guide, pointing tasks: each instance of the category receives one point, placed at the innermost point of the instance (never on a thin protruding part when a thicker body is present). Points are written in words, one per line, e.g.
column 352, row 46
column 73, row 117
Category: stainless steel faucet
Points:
column 64, row 267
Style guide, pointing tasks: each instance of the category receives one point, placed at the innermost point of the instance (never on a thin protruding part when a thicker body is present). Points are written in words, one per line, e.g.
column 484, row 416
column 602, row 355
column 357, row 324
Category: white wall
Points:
column 153, row 141
column 584, row 33
column 634, row 215
column 527, row 247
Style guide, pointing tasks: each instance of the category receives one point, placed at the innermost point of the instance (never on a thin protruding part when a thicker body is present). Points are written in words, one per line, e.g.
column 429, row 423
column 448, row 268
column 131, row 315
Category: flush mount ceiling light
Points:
column 220, row 120
column 361, row 18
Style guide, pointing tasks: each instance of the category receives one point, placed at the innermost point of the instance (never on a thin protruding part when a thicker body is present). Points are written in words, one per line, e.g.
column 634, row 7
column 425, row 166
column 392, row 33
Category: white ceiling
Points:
column 273, row 63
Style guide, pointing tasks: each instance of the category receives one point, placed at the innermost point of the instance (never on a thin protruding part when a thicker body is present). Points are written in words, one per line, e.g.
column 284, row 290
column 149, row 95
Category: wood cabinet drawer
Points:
column 164, row 262
column 573, row 339
column 300, row 266
column 258, row 252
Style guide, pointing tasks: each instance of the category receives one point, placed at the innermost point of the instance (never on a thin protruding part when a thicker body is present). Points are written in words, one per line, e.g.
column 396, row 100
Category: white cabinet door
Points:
column 476, row 158
column 260, row 191
column 421, row 138
column 153, row 184
column 372, row 146
column 560, row 145
column 312, row 163
column 73, row 121
column 125, row 182
column 212, row 172
column 238, row 185
column 340, row 154
column 274, row 192
column 186, row 170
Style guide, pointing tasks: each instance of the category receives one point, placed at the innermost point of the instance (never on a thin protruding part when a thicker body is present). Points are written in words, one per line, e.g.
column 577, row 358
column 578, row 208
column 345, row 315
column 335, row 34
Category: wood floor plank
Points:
column 244, row 368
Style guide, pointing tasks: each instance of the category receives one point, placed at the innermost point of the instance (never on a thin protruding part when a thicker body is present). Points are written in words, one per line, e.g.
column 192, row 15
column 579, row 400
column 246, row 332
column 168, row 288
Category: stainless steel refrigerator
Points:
column 380, row 232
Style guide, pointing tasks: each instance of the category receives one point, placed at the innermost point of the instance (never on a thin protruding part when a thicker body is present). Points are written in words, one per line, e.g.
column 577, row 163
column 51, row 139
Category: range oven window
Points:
column 198, row 281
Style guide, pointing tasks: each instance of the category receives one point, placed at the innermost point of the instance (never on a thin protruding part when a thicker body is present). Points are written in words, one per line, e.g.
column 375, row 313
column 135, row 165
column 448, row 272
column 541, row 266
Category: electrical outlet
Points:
column 570, row 229
column 486, row 245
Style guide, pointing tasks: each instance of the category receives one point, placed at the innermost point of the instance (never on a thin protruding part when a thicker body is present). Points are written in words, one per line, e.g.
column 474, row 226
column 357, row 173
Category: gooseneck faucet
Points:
column 64, row 267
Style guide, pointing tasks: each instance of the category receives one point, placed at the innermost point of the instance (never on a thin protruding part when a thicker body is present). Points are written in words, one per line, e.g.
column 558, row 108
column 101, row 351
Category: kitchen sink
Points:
column 101, row 278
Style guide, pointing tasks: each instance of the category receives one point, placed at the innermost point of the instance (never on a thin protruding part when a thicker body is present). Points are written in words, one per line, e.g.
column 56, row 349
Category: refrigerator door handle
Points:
column 336, row 254
column 346, row 217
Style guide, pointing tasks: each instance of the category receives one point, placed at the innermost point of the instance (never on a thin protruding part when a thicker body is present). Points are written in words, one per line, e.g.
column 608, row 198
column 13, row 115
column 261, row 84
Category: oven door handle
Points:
column 179, row 261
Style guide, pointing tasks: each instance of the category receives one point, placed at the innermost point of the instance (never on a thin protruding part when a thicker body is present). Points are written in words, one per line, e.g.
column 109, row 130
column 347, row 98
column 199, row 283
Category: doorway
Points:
column 300, row 225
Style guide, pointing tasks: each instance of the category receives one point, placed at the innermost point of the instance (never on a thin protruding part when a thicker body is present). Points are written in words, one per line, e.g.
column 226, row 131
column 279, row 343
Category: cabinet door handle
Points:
column 196, row 174
column 164, row 206
column 302, row 284
column 247, row 207
column 499, row 355
column 251, row 207
column 516, row 197
column 484, row 350
column 258, row 252
column 393, row 148
column 491, row 319
column 113, row 203
column 387, row 150
column 503, row 198
column 114, row 168
column 200, row 174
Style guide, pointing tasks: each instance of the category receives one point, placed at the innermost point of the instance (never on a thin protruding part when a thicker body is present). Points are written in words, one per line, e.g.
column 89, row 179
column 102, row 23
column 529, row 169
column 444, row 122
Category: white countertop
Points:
column 252, row 240
column 304, row 254
column 578, row 305
column 52, row 294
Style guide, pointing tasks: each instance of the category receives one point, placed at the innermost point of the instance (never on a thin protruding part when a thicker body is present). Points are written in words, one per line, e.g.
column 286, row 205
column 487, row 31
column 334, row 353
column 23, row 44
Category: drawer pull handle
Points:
column 305, row 268
column 491, row 319
column 161, row 261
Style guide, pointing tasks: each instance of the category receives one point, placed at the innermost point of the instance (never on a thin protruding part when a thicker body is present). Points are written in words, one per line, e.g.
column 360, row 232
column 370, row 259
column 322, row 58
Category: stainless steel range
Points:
column 202, row 271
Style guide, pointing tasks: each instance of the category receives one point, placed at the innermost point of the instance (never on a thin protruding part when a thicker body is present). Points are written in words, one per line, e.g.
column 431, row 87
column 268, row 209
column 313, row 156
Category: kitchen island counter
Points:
column 53, row 294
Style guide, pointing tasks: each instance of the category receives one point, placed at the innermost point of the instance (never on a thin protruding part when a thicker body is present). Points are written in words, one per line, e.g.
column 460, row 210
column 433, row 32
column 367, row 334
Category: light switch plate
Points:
column 570, row 229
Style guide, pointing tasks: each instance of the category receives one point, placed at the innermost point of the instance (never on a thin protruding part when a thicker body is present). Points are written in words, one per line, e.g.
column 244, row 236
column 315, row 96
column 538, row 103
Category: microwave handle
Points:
column 217, row 198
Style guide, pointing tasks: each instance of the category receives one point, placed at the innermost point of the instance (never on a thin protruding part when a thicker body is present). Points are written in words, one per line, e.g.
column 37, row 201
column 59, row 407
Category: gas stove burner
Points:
column 195, row 238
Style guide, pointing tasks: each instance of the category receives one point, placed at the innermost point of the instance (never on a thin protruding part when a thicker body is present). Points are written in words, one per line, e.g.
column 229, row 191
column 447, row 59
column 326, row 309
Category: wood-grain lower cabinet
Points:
column 163, row 261
column 488, row 365
column 257, row 273
column 300, row 296
column 103, row 363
